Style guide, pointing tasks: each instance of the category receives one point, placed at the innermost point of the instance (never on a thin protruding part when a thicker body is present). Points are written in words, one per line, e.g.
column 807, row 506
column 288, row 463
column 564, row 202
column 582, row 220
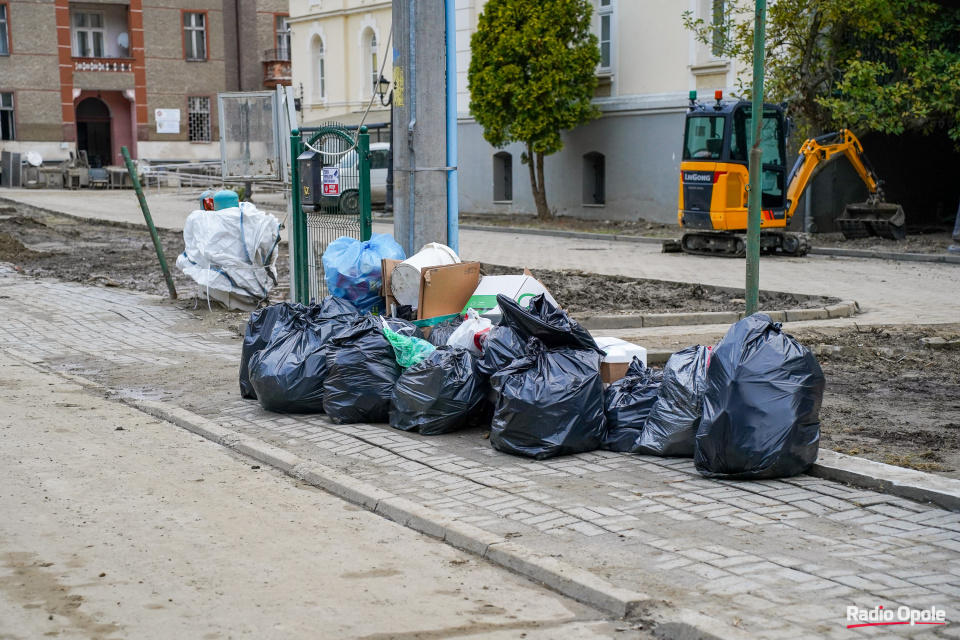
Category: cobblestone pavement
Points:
column 774, row 559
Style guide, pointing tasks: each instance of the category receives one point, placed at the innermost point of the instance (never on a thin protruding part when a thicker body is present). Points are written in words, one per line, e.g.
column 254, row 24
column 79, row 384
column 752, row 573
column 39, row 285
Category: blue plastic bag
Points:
column 352, row 268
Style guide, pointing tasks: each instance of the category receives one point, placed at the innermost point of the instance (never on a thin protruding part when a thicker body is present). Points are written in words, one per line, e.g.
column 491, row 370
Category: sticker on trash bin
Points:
column 331, row 181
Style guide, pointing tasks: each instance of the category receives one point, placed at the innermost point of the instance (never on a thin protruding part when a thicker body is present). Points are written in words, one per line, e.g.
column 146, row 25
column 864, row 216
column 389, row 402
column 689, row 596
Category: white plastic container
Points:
column 405, row 279
column 620, row 354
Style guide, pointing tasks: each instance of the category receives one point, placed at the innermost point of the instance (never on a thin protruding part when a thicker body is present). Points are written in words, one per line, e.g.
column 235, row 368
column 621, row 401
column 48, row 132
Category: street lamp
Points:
column 383, row 86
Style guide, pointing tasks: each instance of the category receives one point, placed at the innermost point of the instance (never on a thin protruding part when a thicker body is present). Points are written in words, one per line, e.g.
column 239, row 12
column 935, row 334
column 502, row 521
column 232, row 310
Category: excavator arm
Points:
column 817, row 153
column 859, row 220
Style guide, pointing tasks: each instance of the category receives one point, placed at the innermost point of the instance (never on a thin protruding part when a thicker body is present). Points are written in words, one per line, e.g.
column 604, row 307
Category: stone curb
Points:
column 885, row 255
column 561, row 577
column 556, row 233
column 844, row 309
column 897, row 481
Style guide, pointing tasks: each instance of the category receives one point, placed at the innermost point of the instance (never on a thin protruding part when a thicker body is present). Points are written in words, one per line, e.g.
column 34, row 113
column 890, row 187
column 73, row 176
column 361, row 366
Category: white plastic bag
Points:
column 465, row 337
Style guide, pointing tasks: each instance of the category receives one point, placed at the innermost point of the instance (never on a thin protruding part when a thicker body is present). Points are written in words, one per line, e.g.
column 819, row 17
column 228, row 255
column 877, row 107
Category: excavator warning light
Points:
column 718, row 94
column 693, row 94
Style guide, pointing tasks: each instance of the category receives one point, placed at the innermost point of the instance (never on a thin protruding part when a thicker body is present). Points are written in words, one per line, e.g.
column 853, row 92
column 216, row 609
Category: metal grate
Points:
column 199, row 115
column 338, row 215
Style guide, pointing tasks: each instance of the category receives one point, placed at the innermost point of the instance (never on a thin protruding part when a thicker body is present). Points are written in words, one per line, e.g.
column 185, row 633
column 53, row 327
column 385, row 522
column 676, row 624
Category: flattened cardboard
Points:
column 444, row 290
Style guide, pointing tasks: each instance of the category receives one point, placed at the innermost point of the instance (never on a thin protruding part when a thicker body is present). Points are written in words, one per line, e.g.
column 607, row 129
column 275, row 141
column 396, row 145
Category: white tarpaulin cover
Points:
column 233, row 250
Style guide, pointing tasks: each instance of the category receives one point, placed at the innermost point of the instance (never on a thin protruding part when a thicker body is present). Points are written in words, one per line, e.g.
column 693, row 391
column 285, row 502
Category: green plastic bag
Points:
column 410, row 351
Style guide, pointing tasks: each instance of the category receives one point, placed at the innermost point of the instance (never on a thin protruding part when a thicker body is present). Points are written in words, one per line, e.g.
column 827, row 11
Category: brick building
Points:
column 92, row 75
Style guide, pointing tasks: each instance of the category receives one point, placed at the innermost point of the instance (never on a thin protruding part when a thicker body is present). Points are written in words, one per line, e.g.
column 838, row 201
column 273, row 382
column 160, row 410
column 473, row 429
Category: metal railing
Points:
column 193, row 177
column 271, row 55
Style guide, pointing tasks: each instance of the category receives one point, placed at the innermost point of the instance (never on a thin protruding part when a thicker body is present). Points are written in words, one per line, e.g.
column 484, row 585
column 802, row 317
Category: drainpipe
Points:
column 412, row 92
column 236, row 26
column 453, row 209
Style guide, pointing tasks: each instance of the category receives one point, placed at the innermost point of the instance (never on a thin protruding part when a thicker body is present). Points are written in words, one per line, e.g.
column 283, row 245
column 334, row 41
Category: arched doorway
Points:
column 93, row 131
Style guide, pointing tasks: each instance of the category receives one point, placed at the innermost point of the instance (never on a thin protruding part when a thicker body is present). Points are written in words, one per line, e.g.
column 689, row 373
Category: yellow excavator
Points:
column 714, row 179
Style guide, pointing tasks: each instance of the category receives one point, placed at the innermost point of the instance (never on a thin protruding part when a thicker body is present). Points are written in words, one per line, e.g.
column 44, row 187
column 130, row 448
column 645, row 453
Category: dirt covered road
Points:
column 118, row 525
column 99, row 253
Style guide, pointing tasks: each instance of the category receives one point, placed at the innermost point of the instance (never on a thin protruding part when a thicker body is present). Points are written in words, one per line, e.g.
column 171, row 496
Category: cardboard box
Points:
column 619, row 355
column 520, row 287
column 445, row 290
column 386, row 267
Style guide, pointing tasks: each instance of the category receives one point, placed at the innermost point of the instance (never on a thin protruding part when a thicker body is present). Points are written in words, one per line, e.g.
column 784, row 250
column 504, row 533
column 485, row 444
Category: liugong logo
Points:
column 880, row 617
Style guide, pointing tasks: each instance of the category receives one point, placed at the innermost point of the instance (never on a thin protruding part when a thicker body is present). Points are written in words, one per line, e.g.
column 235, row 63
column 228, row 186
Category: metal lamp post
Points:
column 382, row 86
column 754, row 198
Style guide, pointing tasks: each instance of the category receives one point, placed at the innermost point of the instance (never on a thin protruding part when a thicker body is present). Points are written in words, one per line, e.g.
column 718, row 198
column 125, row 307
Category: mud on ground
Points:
column 592, row 294
column 96, row 253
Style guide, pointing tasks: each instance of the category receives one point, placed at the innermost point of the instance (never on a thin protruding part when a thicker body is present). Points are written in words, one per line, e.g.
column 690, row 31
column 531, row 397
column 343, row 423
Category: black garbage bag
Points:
column 362, row 370
column 761, row 411
column 441, row 333
column 628, row 403
column 672, row 424
column 441, row 394
column 549, row 403
column 500, row 348
column 261, row 326
column 288, row 374
column 549, row 324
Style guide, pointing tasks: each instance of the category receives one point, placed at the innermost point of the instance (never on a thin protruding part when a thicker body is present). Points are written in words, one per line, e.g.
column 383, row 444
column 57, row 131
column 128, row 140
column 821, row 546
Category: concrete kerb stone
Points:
column 562, row 577
column 905, row 483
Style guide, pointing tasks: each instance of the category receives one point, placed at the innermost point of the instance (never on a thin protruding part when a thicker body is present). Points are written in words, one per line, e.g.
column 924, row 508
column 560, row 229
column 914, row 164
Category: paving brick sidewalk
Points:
column 775, row 559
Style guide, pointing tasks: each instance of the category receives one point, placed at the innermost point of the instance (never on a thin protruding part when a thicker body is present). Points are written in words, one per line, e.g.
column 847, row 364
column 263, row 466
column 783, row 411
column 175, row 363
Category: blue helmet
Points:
column 225, row 199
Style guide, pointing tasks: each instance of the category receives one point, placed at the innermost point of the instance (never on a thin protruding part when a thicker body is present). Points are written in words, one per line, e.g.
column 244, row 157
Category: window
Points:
column 320, row 79
column 719, row 36
column 7, row 131
column 606, row 34
column 374, row 69
column 4, row 31
column 198, row 113
column 502, row 177
column 195, row 35
column 282, row 37
column 594, row 178
column 703, row 138
column 88, row 34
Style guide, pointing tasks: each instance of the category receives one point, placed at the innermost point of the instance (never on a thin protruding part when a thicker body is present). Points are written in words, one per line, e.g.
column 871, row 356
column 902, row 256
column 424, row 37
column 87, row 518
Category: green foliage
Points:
column 533, row 74
column 868, row 65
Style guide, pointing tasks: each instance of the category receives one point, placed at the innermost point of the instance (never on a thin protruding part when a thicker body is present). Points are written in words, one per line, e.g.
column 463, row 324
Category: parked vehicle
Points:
column 379, row 159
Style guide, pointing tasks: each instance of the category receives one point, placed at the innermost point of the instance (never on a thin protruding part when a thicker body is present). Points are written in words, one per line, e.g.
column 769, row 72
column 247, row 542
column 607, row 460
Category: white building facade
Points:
column 622, row 166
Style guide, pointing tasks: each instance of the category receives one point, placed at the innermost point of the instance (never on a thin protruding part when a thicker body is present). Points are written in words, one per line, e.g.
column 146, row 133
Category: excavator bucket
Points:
column 866, row 219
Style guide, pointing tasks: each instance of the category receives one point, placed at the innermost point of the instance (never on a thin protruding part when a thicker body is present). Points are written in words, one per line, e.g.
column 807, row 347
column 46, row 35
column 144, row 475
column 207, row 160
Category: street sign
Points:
column 331, row 181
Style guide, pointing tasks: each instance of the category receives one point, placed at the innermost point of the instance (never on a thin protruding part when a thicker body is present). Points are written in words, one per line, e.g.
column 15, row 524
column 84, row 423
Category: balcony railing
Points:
column 102, row 64
column 273, row 55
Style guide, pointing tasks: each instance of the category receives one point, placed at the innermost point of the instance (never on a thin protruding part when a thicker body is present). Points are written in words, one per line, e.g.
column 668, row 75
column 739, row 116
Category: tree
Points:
column 532, row 75
column 867, row 65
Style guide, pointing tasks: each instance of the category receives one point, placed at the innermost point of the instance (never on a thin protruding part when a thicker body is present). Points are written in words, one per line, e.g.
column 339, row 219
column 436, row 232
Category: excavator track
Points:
column 726, row 244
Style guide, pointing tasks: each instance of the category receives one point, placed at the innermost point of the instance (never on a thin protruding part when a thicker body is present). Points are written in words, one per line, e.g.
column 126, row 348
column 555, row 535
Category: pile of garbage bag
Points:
column 233, row 250
column 745, row 409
